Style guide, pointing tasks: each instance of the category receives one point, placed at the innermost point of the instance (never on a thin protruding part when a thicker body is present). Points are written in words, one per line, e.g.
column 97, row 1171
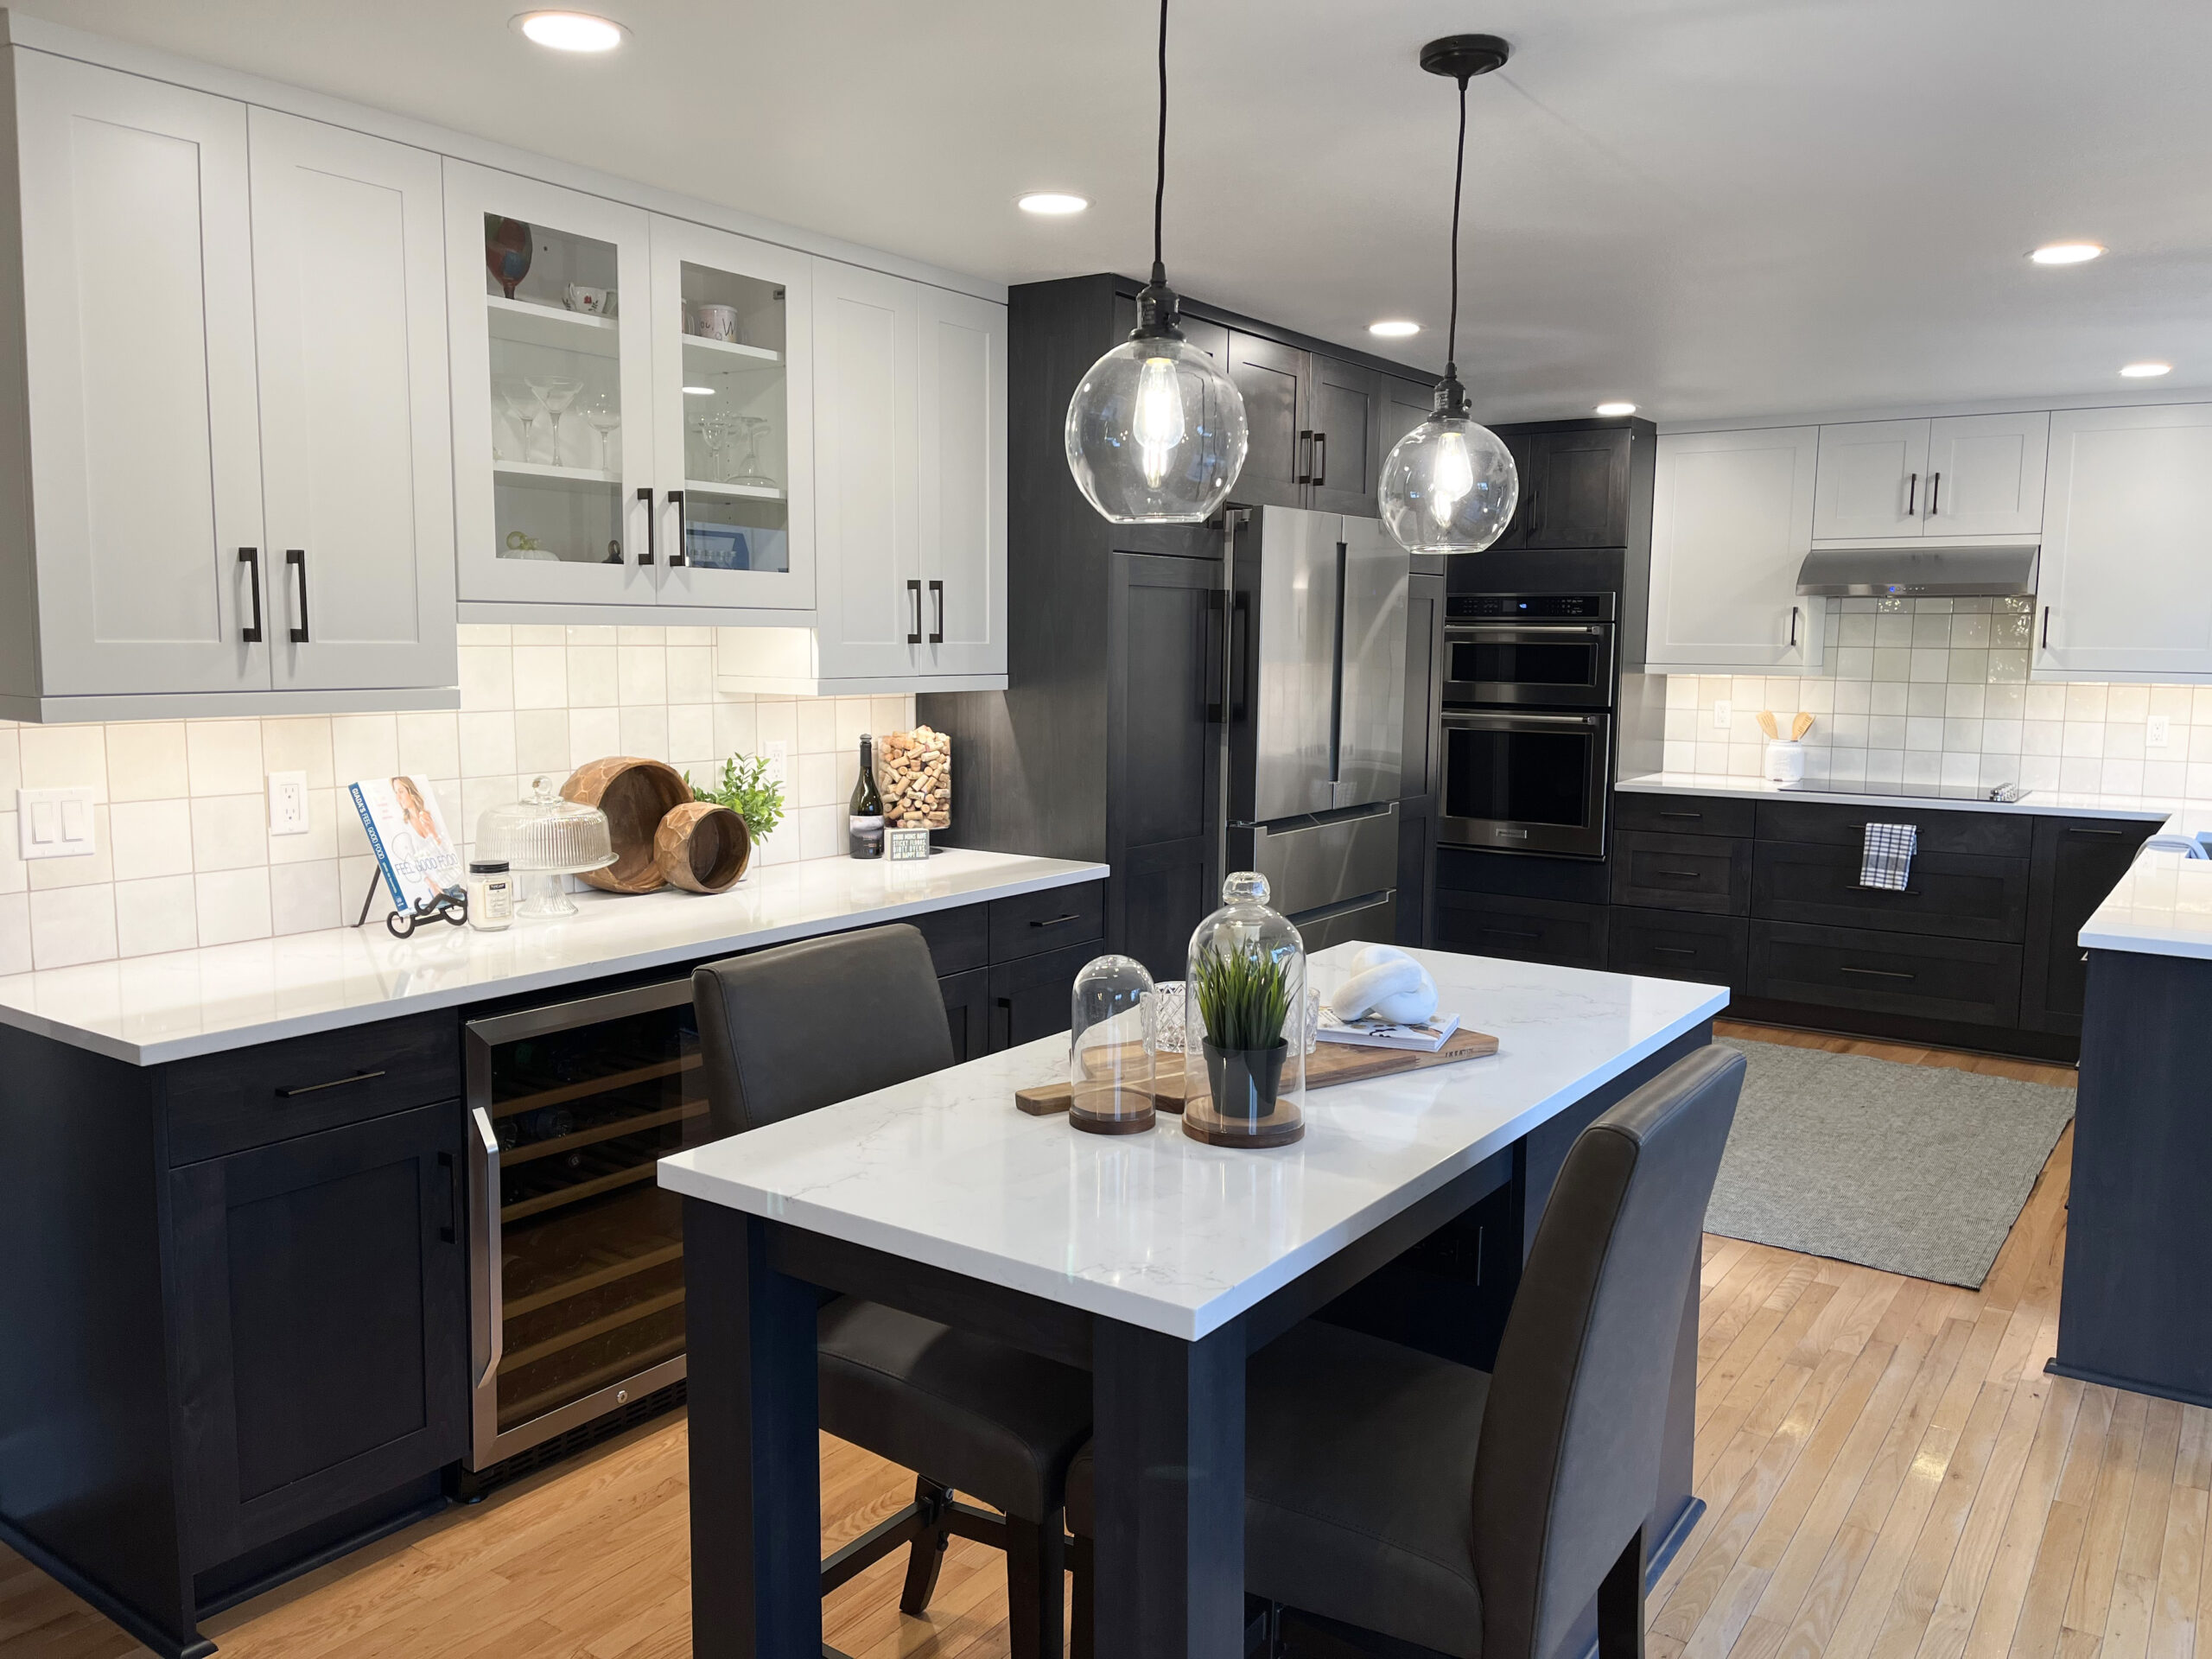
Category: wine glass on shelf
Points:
column 511, row 401
column 749, row 428
column 605, row 415
column 555, row 394
column 714, row 433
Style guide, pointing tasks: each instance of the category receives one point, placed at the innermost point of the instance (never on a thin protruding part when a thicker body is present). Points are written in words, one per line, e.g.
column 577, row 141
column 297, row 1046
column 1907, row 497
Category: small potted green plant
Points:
column 1244, row 997
column 749, row 789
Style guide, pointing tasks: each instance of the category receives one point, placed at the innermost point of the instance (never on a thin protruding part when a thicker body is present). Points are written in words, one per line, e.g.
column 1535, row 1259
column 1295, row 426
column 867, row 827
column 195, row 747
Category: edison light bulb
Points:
column 1158, row 425
column 1452, row 477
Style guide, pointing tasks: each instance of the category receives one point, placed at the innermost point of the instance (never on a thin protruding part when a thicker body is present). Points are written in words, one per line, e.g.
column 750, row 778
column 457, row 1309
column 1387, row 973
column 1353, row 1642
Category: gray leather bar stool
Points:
column 1410, row 1507
column 786, row 1031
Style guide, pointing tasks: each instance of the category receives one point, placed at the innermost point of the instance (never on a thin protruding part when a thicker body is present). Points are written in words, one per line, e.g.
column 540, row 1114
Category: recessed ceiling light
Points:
column 1615, row 408
column 2066, row 253
column 1394, row 329
column 2146, row 370
column 570, row 31
column 1053, row 204
column 698, row 391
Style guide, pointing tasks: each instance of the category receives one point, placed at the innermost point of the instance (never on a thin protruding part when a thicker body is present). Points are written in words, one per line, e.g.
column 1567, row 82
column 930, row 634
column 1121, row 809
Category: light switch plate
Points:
column 2158, row 732
column 287, row 803
column 55, row 822
column 1724, row 712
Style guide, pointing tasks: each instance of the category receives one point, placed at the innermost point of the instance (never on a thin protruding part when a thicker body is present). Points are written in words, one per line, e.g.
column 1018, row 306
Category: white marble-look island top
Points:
column 148, row 1010
column 1161, row 1231
column 2162, row 905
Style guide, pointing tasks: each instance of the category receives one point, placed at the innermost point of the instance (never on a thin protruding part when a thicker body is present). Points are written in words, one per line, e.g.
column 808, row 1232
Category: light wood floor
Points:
column 1890, row 1475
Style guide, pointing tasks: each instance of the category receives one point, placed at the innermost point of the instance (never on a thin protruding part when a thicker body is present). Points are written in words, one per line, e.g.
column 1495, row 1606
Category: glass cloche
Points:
column 544, row 838
column 1246, row 1083
column 1110, row 1047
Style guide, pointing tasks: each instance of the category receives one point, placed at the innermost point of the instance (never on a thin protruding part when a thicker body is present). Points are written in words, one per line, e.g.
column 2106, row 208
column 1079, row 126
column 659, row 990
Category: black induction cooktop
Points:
column 2003, row 792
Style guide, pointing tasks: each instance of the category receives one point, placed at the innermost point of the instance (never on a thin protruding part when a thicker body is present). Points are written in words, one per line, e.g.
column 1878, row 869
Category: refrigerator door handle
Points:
column 1337, row 679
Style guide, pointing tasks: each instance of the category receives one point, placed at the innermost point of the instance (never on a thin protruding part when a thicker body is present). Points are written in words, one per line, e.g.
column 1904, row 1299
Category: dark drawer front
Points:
column 1522, row 930
column 1669, row 944
column 1030, row 998
column 1955, row 894
column 1037, row 922
column 1986, row 834
column 1704, row 873
column 1684, row 815
column 1959, row 979
column 958, row 939
column 272, row 1091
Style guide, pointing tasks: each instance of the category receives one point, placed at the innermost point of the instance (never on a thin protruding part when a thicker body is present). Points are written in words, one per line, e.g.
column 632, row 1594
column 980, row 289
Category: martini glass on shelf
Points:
column 555, row 394
column 605, row 415
column 749, row 428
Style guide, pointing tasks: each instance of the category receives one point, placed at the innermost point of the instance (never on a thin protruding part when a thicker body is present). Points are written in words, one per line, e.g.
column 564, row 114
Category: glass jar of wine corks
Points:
column 913, row 770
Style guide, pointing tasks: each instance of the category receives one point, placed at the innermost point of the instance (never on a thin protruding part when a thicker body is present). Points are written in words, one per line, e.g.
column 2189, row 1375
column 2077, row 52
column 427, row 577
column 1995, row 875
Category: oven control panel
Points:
column 1532, row 607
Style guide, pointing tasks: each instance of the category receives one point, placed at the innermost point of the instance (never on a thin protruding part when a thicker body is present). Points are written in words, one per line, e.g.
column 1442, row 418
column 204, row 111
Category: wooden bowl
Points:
column 635, row 795
column 703, row 847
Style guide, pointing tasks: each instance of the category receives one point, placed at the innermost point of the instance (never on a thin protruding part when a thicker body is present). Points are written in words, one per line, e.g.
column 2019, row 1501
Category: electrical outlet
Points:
column 779, row 758
column 2157, row 732
column 55, row 822
column 287, row 803
column 1724, row 713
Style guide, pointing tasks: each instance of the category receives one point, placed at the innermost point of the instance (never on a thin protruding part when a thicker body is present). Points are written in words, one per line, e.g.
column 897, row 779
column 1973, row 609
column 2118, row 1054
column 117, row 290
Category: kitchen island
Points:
column 1156, row 1262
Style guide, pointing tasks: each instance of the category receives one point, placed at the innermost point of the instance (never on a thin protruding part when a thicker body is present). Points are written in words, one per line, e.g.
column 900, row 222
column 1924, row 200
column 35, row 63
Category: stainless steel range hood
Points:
column 1917, row 573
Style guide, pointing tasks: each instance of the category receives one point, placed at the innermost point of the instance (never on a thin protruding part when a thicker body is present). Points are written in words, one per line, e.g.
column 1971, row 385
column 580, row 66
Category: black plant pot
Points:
column 1245, row 1081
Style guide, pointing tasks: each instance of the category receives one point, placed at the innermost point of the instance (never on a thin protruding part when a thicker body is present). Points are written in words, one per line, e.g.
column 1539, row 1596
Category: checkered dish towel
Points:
column 1887, row 860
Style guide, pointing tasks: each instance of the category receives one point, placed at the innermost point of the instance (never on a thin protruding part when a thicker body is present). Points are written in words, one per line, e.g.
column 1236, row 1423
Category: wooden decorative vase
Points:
column 703, row 848
column 635, row 795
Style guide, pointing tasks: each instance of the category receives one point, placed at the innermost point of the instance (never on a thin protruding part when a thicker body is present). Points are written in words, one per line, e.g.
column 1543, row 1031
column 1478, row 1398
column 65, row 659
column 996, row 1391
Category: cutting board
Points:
column 1328, row 1064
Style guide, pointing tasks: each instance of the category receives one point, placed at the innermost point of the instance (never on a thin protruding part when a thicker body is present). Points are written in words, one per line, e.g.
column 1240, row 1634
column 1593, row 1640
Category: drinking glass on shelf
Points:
column 713, row 430
column 555, row 394
column 606, row 417
column 749, row 428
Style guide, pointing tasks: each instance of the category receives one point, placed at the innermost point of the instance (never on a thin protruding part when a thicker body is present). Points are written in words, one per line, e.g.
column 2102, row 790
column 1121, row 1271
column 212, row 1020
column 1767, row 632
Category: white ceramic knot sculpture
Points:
column 1385, row 984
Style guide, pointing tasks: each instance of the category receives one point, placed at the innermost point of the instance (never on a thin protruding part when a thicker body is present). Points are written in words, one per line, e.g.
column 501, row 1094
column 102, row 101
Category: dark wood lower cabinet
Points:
column 1967, row 982
column 1029, row 998
column 1521, row 930
column 967, row 1010
column 1955, row 895
column 2075, row 864
column 1679, row 945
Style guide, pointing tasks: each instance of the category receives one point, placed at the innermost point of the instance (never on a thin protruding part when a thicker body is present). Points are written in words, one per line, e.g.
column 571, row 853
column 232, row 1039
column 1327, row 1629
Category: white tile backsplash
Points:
column 185, row 854
column 1932, row 690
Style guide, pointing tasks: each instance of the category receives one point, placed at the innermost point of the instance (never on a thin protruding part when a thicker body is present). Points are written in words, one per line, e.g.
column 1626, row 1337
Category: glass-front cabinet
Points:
column 631, row 423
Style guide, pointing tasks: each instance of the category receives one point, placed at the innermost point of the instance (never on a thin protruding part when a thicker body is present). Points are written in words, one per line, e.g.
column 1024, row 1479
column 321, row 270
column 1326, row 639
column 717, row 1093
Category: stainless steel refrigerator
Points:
column 1316, row 686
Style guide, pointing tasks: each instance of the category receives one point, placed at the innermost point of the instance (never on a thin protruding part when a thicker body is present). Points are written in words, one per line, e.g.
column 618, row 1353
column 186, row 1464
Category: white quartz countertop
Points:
column 1161, row 1231
column 151, row 1009
column 2045, row 802
column 2162, row 905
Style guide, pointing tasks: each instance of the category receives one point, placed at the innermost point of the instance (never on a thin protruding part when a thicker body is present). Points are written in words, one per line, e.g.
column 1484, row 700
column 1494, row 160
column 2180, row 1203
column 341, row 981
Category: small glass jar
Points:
column 1111, row 1048
column 1244, row 1072
column 490, row 895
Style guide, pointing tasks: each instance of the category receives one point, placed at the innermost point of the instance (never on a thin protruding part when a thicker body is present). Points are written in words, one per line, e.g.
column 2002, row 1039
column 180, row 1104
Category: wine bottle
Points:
column 864, row 818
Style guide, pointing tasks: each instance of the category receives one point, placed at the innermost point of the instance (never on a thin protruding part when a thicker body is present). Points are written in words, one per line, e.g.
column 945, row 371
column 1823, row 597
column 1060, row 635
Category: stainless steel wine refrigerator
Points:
column 577, row 1255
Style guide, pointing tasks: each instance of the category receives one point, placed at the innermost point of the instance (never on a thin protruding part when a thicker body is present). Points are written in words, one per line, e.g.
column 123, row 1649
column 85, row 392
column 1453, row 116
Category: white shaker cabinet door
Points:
column 357, row 449
column 1986, row 472
column 962, row 385
column 2126, row 587
column 139, row 369
column 868, row 520
column 1873, row 480
column 1731, row 523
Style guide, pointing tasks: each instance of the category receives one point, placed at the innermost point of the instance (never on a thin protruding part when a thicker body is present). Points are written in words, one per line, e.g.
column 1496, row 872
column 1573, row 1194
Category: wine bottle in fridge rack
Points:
column 864, row 818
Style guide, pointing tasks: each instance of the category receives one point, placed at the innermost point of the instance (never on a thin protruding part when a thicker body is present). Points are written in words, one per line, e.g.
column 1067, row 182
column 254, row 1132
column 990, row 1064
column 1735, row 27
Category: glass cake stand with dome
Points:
column 543, row 838
column 1244, row 1079
column 1111, row 1048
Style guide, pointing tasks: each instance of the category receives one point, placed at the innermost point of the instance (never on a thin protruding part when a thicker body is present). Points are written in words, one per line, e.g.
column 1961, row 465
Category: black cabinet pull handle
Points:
column 1687, row 875
column 1510, row 933
column 1681, row 815
column 676, row 554
column 936, row 588
column 1054, row 921
column 646, row 495
column 1672, row 950
column 2046, row 628
column 250, row 558
column 1792, row 627
column 1305, row 456
column 317, row 1088
column 297, row 559
column 1935, row 491
column 1894, row 892
column 1211, row 667
column 1320, row 458
column 2103, row 835
column 1875, row 973
column 1240, row 668
column 914, row 593
column 450, row 1231
column 1911, row 494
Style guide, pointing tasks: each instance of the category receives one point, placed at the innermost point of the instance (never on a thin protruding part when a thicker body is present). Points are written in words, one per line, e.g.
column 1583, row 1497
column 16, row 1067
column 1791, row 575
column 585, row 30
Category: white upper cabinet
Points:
column 233, row 447
column 2125, row 588
column 1958, row 475
column 357, row 478
column 554, row 463
column 144, row 445
column 1731, row 523
column 960, row 384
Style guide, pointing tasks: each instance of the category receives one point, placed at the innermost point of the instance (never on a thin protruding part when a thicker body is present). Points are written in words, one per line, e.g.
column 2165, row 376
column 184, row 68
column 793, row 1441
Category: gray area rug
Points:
column 1913, row 1169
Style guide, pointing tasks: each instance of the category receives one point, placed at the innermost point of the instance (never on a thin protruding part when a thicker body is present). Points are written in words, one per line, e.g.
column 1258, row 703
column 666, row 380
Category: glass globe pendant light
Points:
column 1449, row 485
column 1156, row 432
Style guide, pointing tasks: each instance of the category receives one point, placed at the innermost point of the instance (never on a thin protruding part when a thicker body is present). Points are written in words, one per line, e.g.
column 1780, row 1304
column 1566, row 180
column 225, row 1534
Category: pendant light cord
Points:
column 1159, row 176
column 1458, row 175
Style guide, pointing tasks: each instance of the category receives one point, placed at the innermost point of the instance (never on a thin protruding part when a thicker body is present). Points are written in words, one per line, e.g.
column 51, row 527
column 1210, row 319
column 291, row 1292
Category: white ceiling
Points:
column 1712, row 207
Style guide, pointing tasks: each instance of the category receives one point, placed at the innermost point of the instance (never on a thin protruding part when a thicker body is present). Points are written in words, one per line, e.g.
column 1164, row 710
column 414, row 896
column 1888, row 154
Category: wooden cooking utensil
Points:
column 1799, row 727
column 1766, row 723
